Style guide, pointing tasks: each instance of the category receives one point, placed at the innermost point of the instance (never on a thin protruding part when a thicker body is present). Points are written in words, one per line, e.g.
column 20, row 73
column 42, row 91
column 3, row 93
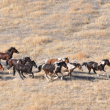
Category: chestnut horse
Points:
column 14, row 62
column 51, row 61
column 8, row 54
column 1, row 67
column 95, row 66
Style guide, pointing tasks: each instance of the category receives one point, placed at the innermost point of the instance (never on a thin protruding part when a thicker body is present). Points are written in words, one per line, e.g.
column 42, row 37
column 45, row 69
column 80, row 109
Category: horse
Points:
column 53, row 68
column 51, row 61
column 71, row 67
column 97, row 66
column 20, row 68
column 8, row 54
column 14, row 62
column 1, row 67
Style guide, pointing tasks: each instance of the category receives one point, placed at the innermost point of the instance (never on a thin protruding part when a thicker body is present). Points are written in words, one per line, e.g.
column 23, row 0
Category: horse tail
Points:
column 39, row 68
column 84, row 64
column 14, row 71
column 7, row 62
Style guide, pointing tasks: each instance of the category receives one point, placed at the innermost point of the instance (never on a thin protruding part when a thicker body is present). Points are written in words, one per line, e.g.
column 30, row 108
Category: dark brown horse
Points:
column 14, row 62
column 95, row 66
column 1, row 67
column 24, row 68
column 8, row 54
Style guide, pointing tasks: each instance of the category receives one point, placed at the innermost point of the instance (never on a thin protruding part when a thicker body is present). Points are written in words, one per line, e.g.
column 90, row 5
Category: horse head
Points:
column 14, row 50
column 33, row 63
column 106, row 61
column 79, row 66
column 63, row 63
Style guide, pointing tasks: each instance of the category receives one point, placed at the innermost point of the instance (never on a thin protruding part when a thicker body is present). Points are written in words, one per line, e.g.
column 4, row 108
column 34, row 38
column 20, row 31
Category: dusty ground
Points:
column 77, row 29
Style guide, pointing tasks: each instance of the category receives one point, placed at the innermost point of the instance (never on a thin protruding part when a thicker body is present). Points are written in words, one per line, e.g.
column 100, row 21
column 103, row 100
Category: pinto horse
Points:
column 24, row 68
column 1, row 67
column 71, row 67
column 95, row 66
column 8, row 54
column 14, row 62
column 51, row 61
column 53, row 68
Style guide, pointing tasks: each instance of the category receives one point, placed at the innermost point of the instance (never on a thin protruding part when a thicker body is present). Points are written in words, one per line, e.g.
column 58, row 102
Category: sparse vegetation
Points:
column 78, row 29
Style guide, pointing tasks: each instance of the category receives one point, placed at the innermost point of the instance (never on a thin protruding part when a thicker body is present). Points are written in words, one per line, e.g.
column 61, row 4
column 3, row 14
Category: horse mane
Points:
column 9, row 50
column 105, row 60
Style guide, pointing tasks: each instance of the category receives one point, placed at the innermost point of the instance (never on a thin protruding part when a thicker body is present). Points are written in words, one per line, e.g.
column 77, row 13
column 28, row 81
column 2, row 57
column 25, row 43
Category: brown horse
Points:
column 51, row 61
column 8, row 54
column 1, row 67
column 95, row 66
column 14, row 62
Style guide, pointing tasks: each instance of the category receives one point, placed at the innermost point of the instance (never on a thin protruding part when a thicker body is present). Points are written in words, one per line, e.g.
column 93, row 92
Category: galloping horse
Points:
column 71, row 67
column 8, row 54
column 24, row 68
column 1, row 67
column 14, row 62
column 51, row 61
column 95, row 66
column 54, row 68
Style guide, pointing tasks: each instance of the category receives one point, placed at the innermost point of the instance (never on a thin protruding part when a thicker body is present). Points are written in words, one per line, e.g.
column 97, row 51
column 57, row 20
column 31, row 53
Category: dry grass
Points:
column 79, row 55
column 45, row 29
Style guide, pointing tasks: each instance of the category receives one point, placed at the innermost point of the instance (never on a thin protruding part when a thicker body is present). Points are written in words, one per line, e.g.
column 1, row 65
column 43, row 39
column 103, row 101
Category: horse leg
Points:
column 23, row 75
column 89, row 70
column 9, row 68
column 46, row 76
column 32, row 74
column 14, row 70
column 95, row 72
column 7, row 62
column 106, row 73
column 20, row 75
column 49, row 76
column 56, row 76
column 62, row 76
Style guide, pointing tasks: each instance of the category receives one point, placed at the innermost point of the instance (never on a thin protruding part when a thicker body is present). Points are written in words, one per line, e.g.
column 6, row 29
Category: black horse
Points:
column 95, row 66
column 24, row 68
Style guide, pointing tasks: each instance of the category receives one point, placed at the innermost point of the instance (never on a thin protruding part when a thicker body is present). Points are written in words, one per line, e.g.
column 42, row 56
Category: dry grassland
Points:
column 42, row 29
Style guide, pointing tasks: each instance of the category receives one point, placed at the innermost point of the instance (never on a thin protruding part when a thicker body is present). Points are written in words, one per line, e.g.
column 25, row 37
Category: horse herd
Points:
column 50, row 66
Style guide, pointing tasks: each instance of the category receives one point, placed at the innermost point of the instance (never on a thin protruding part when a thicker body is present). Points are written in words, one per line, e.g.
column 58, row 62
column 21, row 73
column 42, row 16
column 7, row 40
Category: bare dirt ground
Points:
column 77, row 29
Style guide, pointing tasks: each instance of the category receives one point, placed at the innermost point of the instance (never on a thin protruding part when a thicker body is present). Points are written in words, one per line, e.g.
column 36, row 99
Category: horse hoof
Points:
column 107, row 76
column 61, row 78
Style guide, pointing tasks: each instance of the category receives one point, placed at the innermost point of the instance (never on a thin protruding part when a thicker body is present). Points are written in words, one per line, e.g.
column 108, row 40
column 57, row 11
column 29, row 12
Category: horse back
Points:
column 23, row 68
column 48, row 67
column 51, row 61
column 13, row 61
column 3, row 56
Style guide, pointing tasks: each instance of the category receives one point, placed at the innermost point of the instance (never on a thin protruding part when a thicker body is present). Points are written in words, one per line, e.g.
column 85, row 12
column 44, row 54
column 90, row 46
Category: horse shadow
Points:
column 4, row 73
column 88, row 78
column 39, row 77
